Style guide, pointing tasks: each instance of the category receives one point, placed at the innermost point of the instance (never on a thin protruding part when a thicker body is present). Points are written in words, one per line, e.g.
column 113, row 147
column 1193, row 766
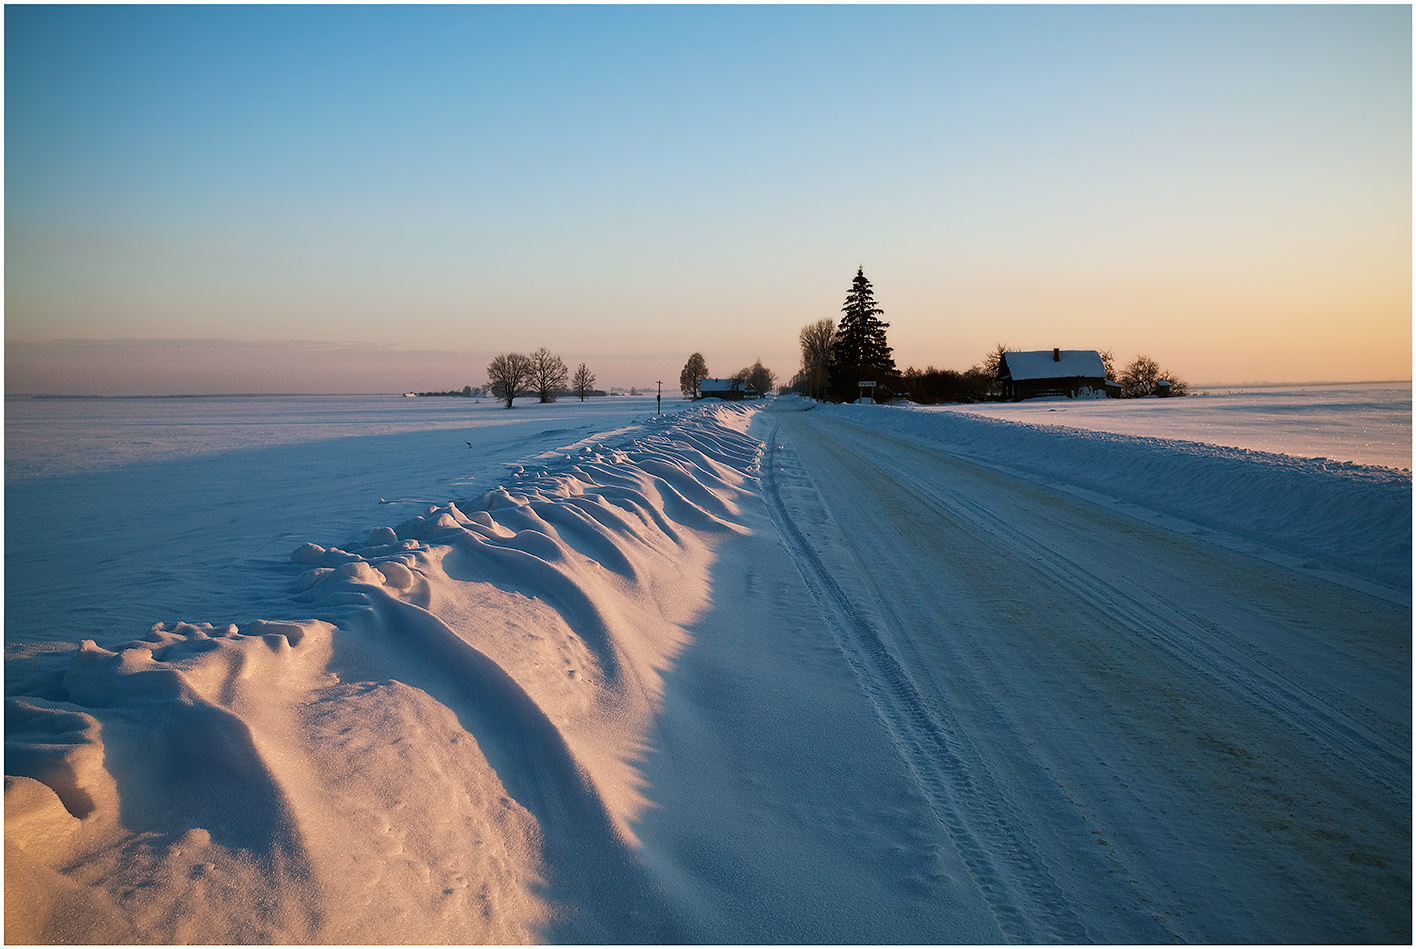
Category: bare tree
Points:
column 548, row 374
column 1139, row 377
column 816, row 339
column 994, row 360
column 758, row 376
column 506, row 374
column 583, row 382
column 694, row 372
column 1108, row 362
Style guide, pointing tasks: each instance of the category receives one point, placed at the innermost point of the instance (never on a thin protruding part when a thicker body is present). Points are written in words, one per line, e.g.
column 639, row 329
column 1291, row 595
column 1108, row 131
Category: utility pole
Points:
column 659, row 399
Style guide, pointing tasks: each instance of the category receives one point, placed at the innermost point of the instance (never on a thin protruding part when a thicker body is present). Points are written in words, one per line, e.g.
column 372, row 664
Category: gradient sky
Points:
column 347, row 199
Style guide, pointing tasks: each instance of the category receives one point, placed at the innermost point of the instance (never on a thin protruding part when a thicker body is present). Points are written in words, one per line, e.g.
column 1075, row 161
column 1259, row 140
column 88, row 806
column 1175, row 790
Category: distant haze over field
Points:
column 379, row 199
column 225, row 367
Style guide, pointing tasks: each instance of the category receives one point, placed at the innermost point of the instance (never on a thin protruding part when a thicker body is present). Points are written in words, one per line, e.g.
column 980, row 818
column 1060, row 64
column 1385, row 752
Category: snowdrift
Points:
column 446, row 754
column 1340, row 516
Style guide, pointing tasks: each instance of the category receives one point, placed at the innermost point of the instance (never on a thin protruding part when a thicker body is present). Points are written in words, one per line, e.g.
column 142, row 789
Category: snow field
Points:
column 467, row 715
column 1365, row 423
column 632, row 693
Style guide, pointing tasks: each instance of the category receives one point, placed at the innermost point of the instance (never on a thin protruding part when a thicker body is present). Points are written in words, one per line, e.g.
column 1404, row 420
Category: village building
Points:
column 730, row 390
column 1053, row 372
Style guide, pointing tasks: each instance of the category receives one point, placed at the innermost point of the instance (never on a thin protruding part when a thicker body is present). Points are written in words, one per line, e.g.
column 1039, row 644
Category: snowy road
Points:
column 1126, row 734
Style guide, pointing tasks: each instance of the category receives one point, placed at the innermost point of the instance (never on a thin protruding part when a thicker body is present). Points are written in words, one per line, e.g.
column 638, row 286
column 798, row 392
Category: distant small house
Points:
column 1054, row 372
column 730, row 390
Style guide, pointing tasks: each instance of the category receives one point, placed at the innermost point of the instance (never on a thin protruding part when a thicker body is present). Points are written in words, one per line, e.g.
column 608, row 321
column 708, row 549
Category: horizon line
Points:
column 319, row 395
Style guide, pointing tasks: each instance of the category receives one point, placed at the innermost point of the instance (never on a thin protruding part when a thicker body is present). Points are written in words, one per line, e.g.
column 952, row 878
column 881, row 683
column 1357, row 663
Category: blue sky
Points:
column 1226, row 189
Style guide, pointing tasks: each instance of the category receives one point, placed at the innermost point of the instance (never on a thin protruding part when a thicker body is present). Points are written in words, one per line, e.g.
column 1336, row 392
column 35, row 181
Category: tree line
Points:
column 466, row 392
column 542, row 373
column 837, row 357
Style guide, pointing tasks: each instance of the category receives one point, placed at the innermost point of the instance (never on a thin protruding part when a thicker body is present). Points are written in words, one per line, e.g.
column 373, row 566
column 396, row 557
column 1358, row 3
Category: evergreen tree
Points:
column 859, row 351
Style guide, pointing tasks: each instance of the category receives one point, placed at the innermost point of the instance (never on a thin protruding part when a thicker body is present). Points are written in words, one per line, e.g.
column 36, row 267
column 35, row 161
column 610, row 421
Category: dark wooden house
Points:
column 731, row 390
column 1051, row 372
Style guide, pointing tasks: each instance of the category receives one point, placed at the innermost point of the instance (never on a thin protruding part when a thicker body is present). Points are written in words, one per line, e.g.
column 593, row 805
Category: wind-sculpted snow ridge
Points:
column 447, row 754
column 1352, row 519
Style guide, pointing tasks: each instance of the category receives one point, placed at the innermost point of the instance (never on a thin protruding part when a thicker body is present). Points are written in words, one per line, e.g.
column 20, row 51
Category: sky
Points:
column 381, row 198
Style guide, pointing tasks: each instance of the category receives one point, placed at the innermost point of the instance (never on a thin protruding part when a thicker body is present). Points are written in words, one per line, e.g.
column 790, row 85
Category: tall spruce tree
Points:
column 859, row 351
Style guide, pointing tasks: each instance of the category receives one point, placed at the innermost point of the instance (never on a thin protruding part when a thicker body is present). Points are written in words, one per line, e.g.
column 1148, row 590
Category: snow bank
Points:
column 450, row 745
column 1340, row 516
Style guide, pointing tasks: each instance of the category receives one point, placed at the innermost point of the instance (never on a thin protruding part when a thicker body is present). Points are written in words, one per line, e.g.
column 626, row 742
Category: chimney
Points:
column 1056, row 355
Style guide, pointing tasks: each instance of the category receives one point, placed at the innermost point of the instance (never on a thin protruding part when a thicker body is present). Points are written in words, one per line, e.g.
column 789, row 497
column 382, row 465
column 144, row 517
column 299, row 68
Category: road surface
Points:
column 1123, row 732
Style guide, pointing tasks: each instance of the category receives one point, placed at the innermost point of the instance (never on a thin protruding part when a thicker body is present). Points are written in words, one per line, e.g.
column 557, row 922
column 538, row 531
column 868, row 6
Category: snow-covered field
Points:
column 418, row 670
column 1366, row 423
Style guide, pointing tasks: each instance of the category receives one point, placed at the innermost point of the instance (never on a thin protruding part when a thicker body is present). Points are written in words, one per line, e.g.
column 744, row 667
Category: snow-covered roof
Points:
column 724, row 385
column 1055, row 364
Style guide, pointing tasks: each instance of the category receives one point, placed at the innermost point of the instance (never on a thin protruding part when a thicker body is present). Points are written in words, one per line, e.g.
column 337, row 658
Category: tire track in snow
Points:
column 1186, row 641
column 1241, row 855
column 1020, row 893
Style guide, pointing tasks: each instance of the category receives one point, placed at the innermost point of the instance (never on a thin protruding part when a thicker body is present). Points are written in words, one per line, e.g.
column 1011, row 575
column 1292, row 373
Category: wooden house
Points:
column 1056, row 372
column 729, row 390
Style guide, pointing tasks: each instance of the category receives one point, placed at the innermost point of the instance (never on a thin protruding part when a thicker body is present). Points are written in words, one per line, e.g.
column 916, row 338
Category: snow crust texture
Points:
column 447, row 755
